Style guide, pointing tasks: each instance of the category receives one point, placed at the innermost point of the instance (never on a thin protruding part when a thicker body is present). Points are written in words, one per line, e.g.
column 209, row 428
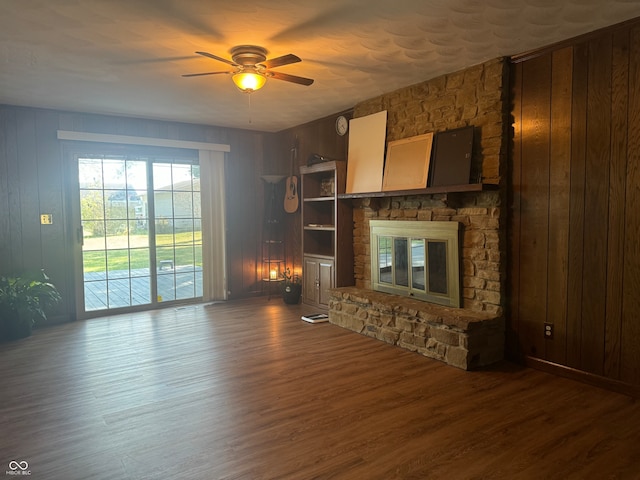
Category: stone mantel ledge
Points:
column 463, row 338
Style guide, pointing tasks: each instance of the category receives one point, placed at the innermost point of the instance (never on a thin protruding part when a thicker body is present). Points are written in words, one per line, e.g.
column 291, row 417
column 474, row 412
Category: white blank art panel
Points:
column 367, row 138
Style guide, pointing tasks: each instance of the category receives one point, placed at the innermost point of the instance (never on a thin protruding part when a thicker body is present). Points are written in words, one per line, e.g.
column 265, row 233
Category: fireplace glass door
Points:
column 437, row 267
column 419, row 262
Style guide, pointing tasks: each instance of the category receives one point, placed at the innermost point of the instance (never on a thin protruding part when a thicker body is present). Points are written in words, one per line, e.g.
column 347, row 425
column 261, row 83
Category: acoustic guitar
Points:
column 291, row 193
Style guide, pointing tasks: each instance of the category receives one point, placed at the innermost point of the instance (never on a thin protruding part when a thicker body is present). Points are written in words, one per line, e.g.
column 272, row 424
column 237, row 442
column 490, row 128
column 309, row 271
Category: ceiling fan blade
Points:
column 215, row 57
column 290, row 78
column 283, row 60
column 201, row 74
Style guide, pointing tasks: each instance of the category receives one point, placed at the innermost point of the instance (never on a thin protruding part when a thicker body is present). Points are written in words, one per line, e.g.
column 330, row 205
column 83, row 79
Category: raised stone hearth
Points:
column 460, row 337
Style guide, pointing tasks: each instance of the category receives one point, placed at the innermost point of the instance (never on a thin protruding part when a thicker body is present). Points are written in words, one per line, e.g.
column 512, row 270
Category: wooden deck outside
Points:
column 246, row 390
column 186, row 283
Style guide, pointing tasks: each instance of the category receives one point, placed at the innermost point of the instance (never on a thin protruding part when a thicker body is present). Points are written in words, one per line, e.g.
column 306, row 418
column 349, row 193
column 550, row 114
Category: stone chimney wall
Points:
column 477, row 96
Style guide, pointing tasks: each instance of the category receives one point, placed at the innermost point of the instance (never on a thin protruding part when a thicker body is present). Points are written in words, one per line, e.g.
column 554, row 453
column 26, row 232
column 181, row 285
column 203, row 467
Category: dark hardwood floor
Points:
column 246, row 390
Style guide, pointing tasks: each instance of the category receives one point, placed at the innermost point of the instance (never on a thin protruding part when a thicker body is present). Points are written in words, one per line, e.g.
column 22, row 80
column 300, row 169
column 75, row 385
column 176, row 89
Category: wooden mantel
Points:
column 470, row 187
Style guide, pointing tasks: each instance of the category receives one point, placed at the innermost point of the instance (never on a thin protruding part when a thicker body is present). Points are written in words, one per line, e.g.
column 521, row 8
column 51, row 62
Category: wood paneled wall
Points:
column 575, row 204
column 32, row 180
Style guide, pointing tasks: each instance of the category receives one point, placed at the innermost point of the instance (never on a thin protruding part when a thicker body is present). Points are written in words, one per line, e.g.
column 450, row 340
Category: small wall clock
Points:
column 342, row 125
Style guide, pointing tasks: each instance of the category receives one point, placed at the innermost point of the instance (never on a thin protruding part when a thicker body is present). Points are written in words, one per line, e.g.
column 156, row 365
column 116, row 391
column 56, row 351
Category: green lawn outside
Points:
column 187, row 251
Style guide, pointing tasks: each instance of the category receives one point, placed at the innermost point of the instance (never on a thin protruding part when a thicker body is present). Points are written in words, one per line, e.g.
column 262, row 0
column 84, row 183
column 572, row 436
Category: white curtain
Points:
column 214, row 262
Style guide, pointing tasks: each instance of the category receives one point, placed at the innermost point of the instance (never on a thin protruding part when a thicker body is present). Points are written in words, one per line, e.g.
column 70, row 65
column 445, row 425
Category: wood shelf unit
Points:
column 327, row 231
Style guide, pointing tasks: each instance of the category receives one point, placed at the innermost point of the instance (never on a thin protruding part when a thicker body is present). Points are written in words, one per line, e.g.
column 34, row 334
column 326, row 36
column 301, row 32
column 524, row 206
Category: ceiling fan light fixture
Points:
column 249, row 81
column 251, row 68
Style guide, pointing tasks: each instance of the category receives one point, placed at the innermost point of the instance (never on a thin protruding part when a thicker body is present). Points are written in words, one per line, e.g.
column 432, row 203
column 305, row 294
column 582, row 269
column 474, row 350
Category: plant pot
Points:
column 291, row 294
column 14, row 330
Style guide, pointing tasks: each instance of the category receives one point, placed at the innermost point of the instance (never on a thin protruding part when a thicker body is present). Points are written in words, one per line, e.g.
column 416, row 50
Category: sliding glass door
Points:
column 140, row 231
column 177, row 244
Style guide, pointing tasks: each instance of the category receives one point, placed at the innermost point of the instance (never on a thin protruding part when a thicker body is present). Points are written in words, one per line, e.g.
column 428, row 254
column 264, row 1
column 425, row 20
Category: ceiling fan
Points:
column 252, row 69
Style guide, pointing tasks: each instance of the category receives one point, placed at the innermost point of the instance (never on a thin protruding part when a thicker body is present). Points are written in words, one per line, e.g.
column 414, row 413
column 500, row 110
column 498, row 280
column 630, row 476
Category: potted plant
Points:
column 292, row 287
column 23, row 301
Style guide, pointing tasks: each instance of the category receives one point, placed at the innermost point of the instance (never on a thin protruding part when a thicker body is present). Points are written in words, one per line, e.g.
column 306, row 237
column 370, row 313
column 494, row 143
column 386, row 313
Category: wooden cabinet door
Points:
column 310, row 280
column 325, row 281
column 318, row 278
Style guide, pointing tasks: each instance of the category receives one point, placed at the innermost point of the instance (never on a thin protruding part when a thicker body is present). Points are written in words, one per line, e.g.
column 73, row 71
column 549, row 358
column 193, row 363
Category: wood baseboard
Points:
column 584, row 377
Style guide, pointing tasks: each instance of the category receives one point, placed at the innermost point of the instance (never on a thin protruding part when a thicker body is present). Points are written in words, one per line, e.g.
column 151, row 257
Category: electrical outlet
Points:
column 548, row 331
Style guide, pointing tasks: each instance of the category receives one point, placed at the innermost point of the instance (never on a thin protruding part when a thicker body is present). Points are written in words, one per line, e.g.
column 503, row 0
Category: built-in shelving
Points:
column 327, row 231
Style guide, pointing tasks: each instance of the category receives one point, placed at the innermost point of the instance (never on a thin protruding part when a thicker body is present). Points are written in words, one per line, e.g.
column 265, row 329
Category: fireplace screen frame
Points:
column 389, row 235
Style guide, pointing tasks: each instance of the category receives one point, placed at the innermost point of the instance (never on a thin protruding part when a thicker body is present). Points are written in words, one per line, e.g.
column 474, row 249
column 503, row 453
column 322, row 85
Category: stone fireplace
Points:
column 472, row 335
column 468, row 337
column 479, row 217
column 478, row 97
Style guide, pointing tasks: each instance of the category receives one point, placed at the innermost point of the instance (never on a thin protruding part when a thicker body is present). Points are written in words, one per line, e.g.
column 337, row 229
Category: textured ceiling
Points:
column 126, row 57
